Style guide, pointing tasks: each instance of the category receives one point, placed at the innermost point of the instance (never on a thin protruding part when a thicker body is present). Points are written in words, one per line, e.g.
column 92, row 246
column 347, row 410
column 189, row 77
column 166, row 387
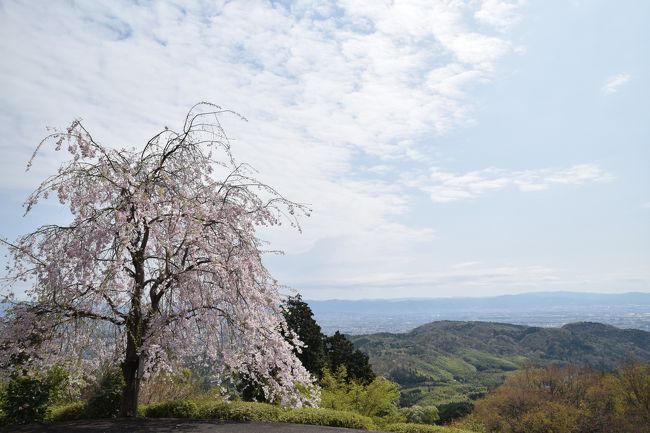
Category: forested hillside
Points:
column 456, row 362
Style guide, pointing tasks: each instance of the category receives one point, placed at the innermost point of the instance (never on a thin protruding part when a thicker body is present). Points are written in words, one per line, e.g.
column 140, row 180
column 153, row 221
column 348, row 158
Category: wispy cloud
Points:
column 500, row 14
column 320, row 86
column 614, row 82
column 340, row 98
column 469, row 279
column 444, row 186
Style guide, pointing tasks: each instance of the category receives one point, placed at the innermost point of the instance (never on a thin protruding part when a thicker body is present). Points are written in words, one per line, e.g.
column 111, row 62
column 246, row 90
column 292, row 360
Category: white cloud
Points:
column 470, row 279
column 613, row 83
column 320, row 86
column 339, row 98
column 499, row 14
column 444, row 186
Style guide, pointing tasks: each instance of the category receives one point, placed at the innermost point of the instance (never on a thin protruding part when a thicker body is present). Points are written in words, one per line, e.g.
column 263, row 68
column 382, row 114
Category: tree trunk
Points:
column 131, row 372
column 133, row 358
column 135, row 328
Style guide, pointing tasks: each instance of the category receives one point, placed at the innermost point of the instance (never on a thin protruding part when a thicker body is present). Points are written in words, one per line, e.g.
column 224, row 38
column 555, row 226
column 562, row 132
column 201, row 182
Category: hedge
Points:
column 327, row 417
column 67, row 412
column 255, row 412
column 421, row 428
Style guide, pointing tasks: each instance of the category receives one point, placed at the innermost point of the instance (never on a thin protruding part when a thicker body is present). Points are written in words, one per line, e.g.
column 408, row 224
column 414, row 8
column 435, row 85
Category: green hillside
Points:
column 457, row 361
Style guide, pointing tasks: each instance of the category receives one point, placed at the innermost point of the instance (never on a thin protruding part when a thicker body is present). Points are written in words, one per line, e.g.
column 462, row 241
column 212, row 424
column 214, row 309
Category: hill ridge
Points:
column 463, row 359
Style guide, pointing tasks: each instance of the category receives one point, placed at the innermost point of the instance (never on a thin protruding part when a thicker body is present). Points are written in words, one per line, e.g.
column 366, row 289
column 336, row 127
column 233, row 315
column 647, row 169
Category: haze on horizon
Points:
column 447, row 149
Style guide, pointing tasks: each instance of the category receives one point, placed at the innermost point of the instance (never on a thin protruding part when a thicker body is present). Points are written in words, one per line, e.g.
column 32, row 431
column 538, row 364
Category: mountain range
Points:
column 550, row 309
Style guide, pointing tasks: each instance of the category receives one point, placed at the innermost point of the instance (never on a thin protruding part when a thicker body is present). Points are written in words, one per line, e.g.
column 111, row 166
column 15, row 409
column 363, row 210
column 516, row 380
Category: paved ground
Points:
column 167, row 425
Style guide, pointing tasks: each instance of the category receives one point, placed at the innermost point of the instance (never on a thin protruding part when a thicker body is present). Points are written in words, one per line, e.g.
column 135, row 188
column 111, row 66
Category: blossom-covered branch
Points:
column 159, row 264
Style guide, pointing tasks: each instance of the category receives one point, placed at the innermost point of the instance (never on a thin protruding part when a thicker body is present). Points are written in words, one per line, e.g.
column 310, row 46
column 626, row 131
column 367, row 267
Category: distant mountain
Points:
column 450, row 360
column 551, row 309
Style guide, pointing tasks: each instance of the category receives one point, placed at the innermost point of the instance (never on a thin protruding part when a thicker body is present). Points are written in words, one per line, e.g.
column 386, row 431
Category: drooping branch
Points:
column 157, row 246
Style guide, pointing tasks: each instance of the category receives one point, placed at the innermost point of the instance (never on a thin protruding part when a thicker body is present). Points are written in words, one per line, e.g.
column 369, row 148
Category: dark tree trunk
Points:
column 135, row 327
column 131, row 366
column 131, row 372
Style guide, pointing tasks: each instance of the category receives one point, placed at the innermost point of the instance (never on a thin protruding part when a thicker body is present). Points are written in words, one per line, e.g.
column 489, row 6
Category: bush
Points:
column 421, row 428
column 377, row 399
column 451, row 410
column 172, row 409
column 65, row 384
column 25, row 400
column 105, row 399
column 234, row 411
column 326, row 417
column 250, row 411
column 421, row 414
column 67, row 412
column 166, row 386
column 3, row 393
column 244, row 411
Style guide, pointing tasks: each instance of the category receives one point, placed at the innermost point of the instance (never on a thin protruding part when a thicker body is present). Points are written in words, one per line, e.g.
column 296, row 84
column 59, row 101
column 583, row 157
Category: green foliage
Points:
column 460, row 361
column 341, row 352
column 421, row 428
column 167, row 386
column 242, row 411
column 300, row 320
column 454, row 409
column 172, row 409
column 67, row 412
column 327, row 417
column 421, row 414
column 255, row 412
column 56, row 380
column 105, row 399
column 3, row 394
column 26, row 398
column 227, row 411
column 377, row 399
column 249, row 389
column 65, row 384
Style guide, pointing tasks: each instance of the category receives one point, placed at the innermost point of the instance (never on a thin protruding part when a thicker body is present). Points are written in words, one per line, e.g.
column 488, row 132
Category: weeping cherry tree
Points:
column 159, row 265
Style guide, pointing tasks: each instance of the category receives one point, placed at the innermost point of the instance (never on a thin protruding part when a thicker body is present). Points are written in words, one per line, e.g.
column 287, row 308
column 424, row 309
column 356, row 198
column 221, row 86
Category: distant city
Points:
column 629, row 310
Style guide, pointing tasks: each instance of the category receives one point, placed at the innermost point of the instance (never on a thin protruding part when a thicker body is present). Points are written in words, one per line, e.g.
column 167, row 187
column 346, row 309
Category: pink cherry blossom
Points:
column 160, row 265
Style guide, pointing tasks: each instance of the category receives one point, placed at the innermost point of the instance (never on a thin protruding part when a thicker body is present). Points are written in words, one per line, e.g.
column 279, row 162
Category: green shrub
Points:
column 172, row 409
column 326, row 417
column 67, row 412
column 105, row 399
column 421, row 428
column 166, row 386
column 250, row 411
column 451, row 410
column 233, row 411
column 25, row 400
column 3, row 393
column 421, row 414
column 377, row 399
column 244, row 411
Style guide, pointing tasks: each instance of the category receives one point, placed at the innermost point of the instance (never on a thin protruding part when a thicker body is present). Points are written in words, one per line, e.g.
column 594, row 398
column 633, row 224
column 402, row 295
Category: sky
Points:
column 446, row 148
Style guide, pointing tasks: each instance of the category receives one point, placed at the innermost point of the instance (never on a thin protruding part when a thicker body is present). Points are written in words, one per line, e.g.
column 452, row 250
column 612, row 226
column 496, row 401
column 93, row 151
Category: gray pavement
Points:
column 168, row 425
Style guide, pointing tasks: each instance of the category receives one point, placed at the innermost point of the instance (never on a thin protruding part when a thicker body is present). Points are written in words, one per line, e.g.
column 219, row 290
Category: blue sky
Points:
column 447, row 148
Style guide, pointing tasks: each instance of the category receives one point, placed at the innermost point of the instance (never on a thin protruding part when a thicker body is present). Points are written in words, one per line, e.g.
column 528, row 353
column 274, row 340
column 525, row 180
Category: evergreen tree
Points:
column 340, row 351
column 300, row 320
